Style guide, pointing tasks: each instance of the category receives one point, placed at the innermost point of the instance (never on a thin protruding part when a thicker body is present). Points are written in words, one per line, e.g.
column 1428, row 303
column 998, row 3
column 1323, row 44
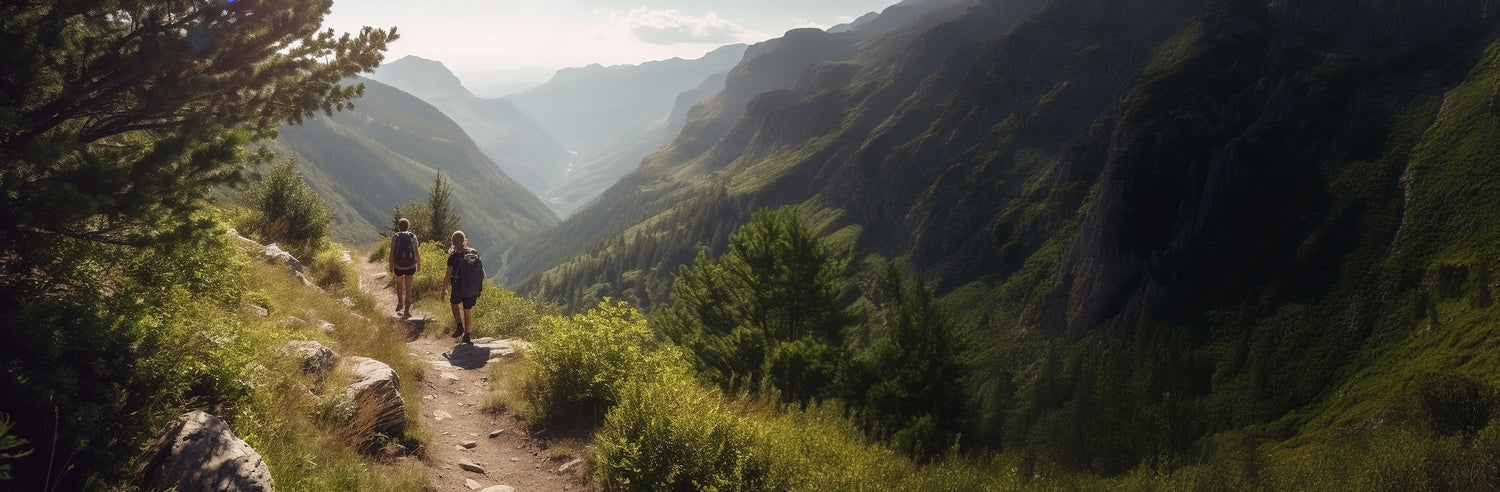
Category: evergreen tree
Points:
column 116, row 118
column 917, row 396
column 116, row 121
column 442, row 219
column 768, row 310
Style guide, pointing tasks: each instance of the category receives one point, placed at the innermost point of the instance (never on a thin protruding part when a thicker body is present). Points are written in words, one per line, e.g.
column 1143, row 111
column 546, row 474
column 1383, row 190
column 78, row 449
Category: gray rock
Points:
column 245, row 242
column 498, row 488
column 316, row 358
column 260, row 310
column 199, row 452
column 274, row 254
column 375, row 393
column 469, row 444
column 467, row 466
column 496, row 433
column 471, row 484
column 326, row 328
column 569, row 465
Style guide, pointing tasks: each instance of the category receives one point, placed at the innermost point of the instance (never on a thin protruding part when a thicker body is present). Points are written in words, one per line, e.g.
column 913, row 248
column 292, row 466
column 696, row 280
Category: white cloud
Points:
column 671, row 26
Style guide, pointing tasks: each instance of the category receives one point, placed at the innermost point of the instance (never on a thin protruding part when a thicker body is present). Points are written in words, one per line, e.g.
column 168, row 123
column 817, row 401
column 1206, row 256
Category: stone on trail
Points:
column 450, row 376
column 499, row 488
column 496, row 433
column 471, row 484
column 470, row 444
column 569, row 465
column 440, row 415
column 471, row 467
column 200, row 452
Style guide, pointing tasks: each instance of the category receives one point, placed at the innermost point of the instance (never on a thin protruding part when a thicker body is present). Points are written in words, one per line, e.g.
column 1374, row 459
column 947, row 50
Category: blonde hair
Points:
column 459, row 242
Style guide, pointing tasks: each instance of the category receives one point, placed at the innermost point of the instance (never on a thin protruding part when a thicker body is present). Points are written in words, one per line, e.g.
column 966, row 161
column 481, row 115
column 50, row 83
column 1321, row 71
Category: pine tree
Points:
column 767, row 310
column 442, row 219
column 116, row 118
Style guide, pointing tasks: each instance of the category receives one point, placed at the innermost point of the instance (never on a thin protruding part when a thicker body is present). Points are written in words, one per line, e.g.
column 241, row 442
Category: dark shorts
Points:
column 407, row 272
column 468, row 302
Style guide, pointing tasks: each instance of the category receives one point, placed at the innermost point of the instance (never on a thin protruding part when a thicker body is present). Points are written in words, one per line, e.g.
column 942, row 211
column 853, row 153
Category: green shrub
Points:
column 1455, row 403
column 668, row 433
column 289, row 212
column 579, row 364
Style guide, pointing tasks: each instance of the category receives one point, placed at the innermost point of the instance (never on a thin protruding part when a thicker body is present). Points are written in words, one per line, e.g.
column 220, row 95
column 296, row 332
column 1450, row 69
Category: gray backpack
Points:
column 468, row 278
column 404, row 250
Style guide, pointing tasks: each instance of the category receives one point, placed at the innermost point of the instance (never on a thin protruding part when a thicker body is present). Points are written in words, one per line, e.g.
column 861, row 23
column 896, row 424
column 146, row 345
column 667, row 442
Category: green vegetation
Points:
column 287, row 212
column 766, row 312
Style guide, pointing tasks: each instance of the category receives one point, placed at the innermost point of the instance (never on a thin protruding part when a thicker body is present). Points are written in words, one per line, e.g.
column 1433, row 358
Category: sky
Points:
column 478, row 36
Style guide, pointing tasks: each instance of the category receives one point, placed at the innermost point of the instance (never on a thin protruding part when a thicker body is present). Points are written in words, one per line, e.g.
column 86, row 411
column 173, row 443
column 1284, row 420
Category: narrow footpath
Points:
column 471, row 449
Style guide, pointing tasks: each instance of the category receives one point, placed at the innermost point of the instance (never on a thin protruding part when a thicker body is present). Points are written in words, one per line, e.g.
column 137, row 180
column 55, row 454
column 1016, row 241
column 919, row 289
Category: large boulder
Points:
column 199, row 452
column 316, row 358
column 376, row 396
column 274, row 254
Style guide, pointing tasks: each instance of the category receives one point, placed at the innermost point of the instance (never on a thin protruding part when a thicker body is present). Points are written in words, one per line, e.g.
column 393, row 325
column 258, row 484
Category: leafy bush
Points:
column 1456, row 403
column 578, row 365
column 668, row 433
column 110, row 343
column 290, row 213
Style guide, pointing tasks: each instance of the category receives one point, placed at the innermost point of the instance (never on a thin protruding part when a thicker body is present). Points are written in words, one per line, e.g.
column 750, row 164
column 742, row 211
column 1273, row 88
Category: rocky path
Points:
column 471, row 449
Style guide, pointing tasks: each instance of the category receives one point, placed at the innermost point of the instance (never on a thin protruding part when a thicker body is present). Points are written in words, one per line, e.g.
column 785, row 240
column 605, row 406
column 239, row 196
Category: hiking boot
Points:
column 466, row 340
column 457, row 331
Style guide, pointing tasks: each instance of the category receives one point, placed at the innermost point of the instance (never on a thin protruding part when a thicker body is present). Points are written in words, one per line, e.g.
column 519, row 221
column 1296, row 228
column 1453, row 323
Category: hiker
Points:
column 466, row 276
column 405, row 261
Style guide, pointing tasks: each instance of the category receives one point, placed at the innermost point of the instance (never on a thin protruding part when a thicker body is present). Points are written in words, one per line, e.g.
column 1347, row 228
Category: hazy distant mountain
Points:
column 612, row 117
column 388, row 150
column 511, row 138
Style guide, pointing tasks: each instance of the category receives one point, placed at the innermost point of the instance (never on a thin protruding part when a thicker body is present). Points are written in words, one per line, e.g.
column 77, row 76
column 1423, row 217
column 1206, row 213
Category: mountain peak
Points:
column 432, row 76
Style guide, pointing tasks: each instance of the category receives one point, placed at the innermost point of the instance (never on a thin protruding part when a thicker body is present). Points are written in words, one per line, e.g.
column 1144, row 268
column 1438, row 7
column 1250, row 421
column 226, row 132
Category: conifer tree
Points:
column 116, row 118
column 442, row 219
column 767, row 310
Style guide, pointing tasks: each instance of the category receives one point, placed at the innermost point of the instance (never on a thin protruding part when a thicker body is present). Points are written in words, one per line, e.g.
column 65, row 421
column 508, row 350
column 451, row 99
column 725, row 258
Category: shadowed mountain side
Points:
column 1271, row 190
column 388, row 150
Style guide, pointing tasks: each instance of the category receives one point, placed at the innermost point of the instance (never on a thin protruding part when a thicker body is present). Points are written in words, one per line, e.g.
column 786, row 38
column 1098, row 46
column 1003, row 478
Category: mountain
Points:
column 507, row 135
column 612, row 117
column 388, row 150
column 1155, row 220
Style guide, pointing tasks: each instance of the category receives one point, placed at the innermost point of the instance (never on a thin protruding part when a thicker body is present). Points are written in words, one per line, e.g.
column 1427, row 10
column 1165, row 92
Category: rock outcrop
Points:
column 316, row 358
column 375, row 395
column 274, row 254
column 199, row 452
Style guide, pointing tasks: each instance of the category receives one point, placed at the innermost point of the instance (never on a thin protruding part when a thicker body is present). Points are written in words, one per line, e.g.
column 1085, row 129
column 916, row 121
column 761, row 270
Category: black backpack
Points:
column 404, row 250
column 469, row 276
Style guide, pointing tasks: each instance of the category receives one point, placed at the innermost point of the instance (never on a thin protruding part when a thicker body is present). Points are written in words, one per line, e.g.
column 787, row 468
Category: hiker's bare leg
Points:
column 468, row 321
column 458, row 318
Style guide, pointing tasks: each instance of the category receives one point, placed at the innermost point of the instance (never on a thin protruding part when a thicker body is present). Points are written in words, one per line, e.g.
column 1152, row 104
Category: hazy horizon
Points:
column 487, row 43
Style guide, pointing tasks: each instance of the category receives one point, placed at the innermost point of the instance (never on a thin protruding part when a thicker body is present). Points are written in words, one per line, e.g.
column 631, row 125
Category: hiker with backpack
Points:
column 405, row 261
column 466, row 276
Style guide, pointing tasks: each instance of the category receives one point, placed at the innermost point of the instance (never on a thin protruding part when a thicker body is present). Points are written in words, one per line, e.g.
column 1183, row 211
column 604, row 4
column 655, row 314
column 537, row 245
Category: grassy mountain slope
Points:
column 1209, row 215
column 388, row 150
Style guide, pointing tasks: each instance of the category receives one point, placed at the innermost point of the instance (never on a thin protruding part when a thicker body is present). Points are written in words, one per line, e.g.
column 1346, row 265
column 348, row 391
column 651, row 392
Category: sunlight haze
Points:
column 478, row 37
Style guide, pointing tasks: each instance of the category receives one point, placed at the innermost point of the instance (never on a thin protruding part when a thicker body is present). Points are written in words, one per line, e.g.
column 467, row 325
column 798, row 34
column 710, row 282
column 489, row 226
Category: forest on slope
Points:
column 1155, row 222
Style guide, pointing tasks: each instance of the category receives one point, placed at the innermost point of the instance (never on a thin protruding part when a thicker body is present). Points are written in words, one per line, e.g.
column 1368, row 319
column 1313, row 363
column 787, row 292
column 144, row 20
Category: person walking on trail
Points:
column 466, row 276
column 405, row 261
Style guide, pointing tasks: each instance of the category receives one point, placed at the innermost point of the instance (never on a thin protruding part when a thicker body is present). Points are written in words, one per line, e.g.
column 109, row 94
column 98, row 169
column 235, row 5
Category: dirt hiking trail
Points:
column 471, row 448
